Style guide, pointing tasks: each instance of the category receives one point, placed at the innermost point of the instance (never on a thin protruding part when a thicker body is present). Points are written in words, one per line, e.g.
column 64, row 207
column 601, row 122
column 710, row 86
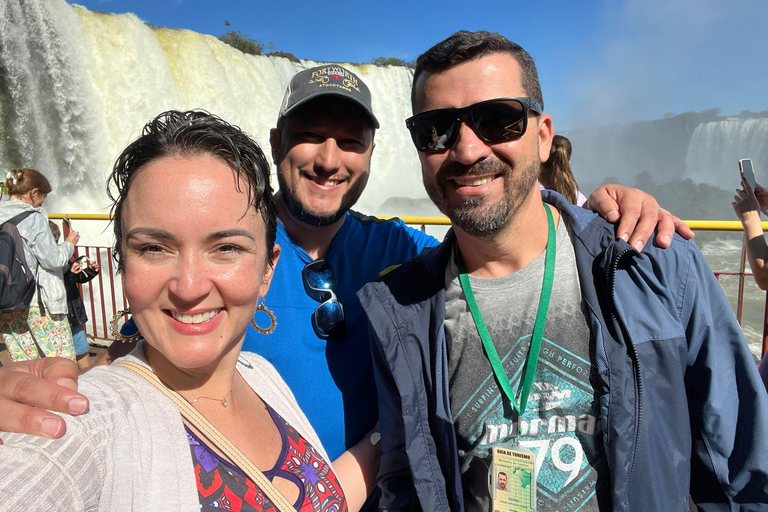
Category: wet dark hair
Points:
column 464, row 46
column 21, row 181
column 190, row 133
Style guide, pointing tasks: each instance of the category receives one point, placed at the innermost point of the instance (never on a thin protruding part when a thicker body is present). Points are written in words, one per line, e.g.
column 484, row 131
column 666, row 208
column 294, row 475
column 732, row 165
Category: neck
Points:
column 215, row 381
column 313, row 239
column 521, row 242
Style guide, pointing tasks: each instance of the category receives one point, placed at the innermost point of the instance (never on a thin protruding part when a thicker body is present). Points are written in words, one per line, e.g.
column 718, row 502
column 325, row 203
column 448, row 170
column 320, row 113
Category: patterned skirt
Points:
column 28, row 335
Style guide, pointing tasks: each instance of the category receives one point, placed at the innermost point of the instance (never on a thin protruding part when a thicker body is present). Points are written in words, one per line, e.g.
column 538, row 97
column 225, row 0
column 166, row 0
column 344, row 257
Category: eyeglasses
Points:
column 320, row 285
column 496, row 120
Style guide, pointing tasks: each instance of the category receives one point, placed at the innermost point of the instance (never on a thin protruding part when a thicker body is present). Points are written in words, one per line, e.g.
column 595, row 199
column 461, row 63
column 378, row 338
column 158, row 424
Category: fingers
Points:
column 30, row 420
column 638, row 212
column 26, row 388
column 601, row 202
column 641, row 229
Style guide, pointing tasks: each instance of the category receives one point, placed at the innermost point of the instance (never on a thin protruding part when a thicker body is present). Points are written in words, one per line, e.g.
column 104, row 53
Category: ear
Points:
column 546, row 133
column 274, row 142
column 269, row 270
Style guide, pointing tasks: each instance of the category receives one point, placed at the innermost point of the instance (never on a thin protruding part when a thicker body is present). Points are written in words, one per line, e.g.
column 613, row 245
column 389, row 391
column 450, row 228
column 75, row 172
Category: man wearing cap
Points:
column 322, row 147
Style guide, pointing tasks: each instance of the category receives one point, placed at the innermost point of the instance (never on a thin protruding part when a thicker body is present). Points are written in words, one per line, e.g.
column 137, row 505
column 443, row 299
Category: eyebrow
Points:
column 218, row 235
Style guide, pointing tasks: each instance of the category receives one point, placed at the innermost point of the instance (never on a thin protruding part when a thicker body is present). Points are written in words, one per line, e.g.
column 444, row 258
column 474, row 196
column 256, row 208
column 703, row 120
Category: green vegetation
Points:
column 245, row 43
column 392, row 61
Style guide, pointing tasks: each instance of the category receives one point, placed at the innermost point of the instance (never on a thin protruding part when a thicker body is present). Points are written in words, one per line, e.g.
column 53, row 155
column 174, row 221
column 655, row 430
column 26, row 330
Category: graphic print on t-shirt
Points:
column 561, row 424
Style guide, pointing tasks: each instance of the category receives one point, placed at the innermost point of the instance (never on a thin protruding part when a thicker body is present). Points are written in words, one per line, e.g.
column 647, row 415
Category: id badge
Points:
column 512, row 479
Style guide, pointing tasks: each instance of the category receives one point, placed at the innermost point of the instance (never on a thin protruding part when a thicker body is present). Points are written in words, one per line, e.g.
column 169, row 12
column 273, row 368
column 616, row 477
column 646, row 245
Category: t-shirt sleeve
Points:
column 422, row 239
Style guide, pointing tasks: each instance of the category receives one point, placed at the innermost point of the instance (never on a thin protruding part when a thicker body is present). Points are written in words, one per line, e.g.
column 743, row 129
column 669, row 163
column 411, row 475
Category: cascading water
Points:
column 76, row 86
column 716, row 147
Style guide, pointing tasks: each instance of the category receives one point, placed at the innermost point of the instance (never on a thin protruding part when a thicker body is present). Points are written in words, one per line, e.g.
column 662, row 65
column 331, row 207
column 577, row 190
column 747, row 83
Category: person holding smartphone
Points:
column 81, row 270
column 747, row 203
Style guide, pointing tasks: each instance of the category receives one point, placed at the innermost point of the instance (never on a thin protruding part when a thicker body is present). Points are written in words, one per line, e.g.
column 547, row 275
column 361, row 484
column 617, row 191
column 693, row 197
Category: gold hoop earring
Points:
column 115, row 332
column 272, row 320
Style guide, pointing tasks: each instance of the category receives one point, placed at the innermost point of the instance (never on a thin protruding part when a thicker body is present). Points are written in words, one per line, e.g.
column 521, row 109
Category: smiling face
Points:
column 481, row 185
column 194, row 265
column 323, row 154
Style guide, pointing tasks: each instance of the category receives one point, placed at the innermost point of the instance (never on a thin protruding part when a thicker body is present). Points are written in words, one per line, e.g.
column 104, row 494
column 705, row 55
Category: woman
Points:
column 748, row 204
column 195, row 226
column 36, row 329
column 556, row 174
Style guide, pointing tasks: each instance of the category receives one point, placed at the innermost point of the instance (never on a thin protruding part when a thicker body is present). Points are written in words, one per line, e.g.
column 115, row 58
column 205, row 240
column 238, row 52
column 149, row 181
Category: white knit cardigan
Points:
column 129, row 451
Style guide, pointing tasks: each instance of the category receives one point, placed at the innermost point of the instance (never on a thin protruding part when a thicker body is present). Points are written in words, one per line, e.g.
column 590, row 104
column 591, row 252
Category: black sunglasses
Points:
column 496, row 120
column 320, row 285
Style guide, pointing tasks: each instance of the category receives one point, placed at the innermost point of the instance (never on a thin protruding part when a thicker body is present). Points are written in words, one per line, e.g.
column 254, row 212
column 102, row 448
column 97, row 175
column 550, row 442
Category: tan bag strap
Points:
column 212, row 433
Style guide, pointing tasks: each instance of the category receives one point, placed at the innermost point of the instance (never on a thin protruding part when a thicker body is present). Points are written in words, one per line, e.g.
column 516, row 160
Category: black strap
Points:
column 20, row 217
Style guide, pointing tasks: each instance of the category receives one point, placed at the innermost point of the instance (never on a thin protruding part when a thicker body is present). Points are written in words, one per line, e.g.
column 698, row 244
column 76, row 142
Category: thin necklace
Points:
column 223, row 401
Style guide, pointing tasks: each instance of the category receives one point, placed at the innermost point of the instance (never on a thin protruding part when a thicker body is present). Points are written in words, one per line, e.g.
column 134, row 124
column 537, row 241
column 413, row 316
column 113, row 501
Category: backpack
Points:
column 17, row 284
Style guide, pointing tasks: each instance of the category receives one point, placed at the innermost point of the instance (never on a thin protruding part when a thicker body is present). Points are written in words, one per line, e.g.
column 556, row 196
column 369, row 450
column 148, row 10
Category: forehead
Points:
column 198, row 189
column 497, row 75
column 331, row 112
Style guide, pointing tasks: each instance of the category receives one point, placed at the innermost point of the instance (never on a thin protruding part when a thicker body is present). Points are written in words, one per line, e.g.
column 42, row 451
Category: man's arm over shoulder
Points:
column 727, row 401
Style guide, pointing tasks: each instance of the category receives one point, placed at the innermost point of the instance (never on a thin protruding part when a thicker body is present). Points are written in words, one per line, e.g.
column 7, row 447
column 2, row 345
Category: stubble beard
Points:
column 476, row 215
column 300, row 212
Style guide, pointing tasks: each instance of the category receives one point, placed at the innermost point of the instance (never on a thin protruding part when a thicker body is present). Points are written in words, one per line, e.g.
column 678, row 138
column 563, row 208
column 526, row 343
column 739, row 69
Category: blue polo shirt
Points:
column 332, row 380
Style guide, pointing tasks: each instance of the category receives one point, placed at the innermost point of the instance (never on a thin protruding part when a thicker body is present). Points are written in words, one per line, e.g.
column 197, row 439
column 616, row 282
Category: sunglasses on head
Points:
column 496, row 120
column 320, row 285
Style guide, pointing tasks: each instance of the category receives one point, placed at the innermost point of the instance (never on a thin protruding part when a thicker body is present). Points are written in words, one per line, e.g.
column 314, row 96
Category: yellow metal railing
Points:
column 696, row 225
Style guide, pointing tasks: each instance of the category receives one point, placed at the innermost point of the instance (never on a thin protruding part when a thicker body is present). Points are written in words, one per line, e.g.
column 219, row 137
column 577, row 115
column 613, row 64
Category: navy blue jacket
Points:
column 682, row 406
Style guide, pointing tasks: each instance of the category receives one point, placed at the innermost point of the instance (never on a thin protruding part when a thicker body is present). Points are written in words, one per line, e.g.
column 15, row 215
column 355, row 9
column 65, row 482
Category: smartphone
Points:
column 66, row 224
column 745, row 166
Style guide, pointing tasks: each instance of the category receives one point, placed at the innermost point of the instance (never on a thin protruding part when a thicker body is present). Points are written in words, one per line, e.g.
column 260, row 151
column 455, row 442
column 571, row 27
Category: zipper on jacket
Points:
column 632, row 353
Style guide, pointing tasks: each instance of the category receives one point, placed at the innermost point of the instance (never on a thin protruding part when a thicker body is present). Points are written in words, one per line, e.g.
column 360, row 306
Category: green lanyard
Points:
column 538, row 329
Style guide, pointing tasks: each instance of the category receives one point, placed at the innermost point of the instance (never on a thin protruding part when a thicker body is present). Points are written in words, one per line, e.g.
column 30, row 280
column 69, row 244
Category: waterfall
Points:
column 716, row 147
column 76, row 86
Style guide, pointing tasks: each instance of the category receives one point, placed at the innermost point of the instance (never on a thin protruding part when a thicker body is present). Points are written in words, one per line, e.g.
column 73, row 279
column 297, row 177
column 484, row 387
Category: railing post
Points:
column 742, row 269
column 765, row 328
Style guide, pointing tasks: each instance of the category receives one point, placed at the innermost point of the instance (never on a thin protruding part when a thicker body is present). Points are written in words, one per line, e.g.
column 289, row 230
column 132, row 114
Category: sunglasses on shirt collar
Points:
column 320, row 285
column 496, row 120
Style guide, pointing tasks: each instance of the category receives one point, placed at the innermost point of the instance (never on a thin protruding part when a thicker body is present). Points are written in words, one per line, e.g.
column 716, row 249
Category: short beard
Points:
column 300, row 212
column 474, row 216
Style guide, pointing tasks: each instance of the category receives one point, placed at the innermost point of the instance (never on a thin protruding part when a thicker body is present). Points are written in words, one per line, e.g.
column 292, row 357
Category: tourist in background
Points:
column 75, row 273
column 79, row 271
column 556, row 172
column 747, row 204
column 43, row 326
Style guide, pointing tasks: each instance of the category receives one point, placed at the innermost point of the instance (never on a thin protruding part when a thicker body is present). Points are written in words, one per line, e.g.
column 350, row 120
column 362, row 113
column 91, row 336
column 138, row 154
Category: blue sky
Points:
column 600, row 61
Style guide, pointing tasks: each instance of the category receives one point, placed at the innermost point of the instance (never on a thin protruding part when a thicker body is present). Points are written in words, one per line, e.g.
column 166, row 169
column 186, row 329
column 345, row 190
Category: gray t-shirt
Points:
column 561, row 423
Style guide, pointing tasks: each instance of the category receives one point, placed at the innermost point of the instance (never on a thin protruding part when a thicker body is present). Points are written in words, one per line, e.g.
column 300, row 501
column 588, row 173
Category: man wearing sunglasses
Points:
column 535, row 342
column 322, row 147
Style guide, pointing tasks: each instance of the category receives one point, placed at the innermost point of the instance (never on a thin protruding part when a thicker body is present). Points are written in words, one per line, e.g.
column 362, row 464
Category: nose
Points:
column 328, row 156
column 191, row 282
column 469, row 148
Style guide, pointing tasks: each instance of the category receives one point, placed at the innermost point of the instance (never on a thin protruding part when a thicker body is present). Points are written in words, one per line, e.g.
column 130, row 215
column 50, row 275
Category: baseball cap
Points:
column 329, row 79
